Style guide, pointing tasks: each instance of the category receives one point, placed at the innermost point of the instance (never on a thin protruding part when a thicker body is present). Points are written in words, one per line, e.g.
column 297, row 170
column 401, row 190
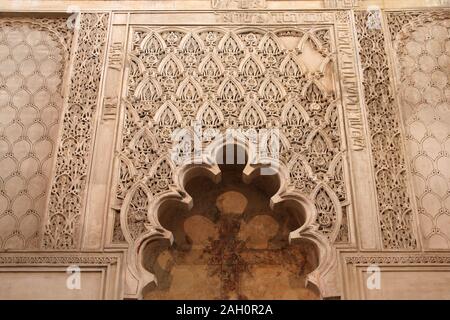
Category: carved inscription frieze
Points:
column 349, row 80
column 110, row 105
column 268, row 17
column 238, row 4
column 341, row 3
column 115, row 57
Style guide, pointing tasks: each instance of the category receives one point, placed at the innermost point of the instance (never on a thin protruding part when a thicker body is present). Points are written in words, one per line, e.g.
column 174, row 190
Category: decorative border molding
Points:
column 62, row 229
column 389, row 166
column 61, row 35
column 349, row 80
column 364, row 260
column 90, row 260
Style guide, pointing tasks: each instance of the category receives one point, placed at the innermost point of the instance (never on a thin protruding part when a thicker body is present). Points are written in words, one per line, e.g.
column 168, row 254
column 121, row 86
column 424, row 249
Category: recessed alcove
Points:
column 231, row 244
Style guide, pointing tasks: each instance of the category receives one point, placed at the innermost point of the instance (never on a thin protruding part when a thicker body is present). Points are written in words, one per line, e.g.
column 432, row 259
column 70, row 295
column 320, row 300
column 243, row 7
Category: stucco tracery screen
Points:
column 33, row 58
column 225, row 77
column 424, row 60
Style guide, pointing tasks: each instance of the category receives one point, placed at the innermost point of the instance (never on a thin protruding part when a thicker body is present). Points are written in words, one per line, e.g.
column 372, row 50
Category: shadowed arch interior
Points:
column 231, row 244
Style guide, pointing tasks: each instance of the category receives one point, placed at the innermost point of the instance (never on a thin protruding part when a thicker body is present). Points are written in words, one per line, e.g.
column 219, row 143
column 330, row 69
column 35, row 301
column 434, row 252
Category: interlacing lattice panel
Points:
column 33, row 57
column 424, row 67
column 224, row 78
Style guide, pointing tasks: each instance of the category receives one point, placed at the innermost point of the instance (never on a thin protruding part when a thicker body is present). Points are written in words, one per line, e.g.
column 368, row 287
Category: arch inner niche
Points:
column 231, row 244
column 425, row 70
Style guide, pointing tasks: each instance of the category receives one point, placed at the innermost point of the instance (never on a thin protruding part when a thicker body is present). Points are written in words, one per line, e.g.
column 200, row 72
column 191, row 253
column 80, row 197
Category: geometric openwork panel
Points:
column 33, row 55
column 425, row 97
column 247, row 78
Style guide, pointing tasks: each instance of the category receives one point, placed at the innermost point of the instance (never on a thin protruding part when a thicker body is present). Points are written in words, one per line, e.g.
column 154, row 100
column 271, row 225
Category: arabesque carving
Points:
column 394, row 205
column 34, row 54
column 62, row 230
column 225, row 78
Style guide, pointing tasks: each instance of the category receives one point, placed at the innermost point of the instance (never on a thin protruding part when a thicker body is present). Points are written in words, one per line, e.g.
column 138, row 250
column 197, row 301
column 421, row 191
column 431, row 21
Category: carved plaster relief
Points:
column 238, row 4
column 247, row 78
column 341, row 3
column 62, row 230
column 424, row 54
column 395, row 209
column 347, row 150
column 33, row 57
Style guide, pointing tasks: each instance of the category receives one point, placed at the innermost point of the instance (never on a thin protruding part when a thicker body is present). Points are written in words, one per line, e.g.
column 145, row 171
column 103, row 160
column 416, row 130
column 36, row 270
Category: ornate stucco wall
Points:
column 94, row 93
